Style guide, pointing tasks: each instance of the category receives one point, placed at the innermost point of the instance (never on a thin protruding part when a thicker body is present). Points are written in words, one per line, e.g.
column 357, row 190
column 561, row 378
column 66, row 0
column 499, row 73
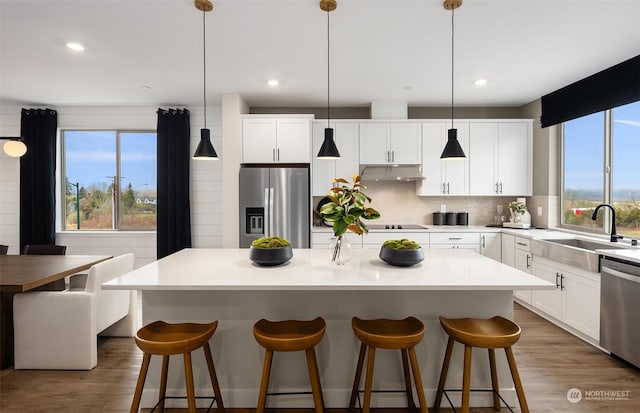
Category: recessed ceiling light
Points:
column 273, row 82
column 480, row 82
column 77, row 47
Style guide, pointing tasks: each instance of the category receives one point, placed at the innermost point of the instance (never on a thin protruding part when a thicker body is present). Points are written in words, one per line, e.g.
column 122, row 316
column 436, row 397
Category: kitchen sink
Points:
column 575, row 251
column 585, row 244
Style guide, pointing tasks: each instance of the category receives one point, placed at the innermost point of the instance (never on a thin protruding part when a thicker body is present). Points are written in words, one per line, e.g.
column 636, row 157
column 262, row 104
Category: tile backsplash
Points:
column 398, row 203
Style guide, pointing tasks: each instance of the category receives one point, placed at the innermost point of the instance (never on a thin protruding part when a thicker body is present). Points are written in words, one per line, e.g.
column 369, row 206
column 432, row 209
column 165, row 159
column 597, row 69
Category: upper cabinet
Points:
column 443, row 177
column 500, row 158
column 276, row 140
column 345, row 135
column 394, row 143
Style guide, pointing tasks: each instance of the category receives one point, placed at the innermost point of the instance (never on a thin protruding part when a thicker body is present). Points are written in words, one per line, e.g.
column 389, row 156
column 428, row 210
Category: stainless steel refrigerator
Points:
column 275, row 201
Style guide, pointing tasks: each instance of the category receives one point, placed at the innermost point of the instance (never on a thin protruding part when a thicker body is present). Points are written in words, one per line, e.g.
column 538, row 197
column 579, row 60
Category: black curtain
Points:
column 615, row 86
column 38, row 177
column 174, row 215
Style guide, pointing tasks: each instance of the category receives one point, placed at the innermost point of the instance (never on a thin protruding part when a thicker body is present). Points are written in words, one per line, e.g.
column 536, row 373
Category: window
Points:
column 110, row 180
column 600, row 159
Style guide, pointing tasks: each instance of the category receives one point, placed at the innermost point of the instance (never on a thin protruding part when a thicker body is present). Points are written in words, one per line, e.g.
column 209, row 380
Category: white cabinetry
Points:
column 456, row 240
column 576, row 299
column 523, row 262
column 443, row 177
column 509, row 250
column 491, row 245
column 324, row 170
column 276, row 140
column 390, row 143
column 500, row 158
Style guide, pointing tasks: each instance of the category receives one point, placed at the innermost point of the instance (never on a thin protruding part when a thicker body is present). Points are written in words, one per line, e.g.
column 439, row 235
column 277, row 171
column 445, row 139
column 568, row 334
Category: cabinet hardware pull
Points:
column 443, row 188
column 278, row 152
column 500, row 187
column 497, row 188
column 483, row 245
column 273, row 154
column 455, row 239
column 562, row 281
column 448, row 188
column 521, row 243
column 393, row 156
column 528, row 261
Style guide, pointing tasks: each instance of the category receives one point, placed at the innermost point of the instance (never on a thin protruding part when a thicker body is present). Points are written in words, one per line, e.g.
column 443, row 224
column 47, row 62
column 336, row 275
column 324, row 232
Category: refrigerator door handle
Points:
column 267, row 213
column 271, row 225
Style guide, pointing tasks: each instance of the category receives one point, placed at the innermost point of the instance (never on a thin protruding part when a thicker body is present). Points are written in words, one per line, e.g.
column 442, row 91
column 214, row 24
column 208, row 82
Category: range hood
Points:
column 391, row 173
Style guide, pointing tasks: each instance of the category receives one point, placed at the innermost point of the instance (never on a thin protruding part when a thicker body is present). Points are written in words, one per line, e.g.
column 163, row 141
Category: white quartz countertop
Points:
column 311, row 269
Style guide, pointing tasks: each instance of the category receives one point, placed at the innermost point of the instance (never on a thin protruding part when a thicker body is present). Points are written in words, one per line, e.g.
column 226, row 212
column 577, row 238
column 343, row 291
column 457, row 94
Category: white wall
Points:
column 206, row 182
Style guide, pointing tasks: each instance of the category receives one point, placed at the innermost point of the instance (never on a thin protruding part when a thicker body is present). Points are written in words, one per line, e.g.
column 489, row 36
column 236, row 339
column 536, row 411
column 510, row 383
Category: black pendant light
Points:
column 328, row 150
column 452, row 149
column 205, row 150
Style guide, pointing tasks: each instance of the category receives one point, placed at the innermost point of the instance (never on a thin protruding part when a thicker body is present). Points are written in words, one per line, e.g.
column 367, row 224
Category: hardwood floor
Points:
column 550, row 361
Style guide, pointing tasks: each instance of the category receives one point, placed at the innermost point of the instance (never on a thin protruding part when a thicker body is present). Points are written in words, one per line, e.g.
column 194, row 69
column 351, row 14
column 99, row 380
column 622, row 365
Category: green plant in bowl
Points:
column 269, row 251
column 401, row 252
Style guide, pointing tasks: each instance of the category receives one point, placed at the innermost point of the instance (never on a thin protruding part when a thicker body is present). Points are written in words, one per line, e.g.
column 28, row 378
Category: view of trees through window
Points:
column 601, row 167
column 110, row 180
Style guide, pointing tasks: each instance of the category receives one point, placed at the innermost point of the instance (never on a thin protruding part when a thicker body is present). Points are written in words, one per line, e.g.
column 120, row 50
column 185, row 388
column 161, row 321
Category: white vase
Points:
column 339, row 250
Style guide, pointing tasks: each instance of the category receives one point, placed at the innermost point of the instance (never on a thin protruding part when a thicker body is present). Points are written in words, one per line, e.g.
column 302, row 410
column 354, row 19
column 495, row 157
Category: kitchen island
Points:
column 200, row 285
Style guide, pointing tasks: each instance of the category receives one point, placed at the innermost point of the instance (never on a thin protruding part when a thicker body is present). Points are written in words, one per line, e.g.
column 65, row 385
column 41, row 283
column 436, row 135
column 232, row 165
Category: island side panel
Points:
column 239, row 358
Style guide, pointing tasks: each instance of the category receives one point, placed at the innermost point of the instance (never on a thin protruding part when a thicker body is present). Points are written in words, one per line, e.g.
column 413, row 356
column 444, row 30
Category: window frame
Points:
column 63, row 176
column 607, row 176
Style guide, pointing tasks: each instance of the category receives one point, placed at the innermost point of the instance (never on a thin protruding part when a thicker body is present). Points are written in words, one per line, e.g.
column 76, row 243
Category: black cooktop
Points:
column 395, row 226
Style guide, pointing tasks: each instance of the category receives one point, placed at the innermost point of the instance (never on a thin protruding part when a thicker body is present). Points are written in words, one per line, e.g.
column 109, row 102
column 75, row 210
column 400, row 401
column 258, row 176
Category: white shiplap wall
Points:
column 206, row 182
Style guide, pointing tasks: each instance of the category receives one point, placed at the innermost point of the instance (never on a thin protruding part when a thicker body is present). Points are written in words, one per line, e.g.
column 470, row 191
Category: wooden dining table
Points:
column 20, row 273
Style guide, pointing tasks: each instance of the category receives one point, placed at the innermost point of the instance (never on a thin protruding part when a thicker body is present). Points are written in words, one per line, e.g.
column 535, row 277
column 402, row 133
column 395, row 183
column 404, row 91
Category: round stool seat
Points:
column 166, row 339
column 495, row 332
column 289, row 335
column 389, row 334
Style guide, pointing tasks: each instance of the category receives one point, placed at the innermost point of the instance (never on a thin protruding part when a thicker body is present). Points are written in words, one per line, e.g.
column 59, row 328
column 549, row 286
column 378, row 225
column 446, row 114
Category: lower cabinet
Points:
column 523, row 260
column 491, row 245
column 576, row 299
column 456, row 240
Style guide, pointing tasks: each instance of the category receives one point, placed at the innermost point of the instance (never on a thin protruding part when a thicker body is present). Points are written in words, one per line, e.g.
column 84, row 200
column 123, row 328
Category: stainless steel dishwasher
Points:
column 620, row 308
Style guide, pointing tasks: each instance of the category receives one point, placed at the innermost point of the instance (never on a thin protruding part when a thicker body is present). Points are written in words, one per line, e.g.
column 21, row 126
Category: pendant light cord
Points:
column 452, row 11
column 204, row 66
column 328, row 75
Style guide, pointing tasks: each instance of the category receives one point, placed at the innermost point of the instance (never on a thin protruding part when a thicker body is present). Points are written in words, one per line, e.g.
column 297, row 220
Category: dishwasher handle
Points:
column 620, row 274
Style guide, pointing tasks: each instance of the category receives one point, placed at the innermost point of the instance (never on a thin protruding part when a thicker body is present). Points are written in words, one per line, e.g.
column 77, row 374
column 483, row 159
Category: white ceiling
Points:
column 379, row 48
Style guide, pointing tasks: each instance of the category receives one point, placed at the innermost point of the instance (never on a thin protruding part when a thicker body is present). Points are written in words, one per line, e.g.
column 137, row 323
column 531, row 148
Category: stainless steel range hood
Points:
column 391, row 173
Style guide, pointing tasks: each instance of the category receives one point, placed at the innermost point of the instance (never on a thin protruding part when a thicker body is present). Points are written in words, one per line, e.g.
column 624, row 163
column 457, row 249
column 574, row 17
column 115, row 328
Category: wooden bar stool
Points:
column 401, row 335
column 166, row 340
column 492, row 333
column 290, row 335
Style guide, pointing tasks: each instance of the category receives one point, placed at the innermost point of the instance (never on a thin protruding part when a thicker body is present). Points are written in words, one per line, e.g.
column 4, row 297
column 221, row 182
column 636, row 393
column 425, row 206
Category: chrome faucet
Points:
column 614, row 237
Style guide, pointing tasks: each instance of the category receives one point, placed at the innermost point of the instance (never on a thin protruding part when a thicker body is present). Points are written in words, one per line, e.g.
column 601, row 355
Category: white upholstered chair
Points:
column 58, row 329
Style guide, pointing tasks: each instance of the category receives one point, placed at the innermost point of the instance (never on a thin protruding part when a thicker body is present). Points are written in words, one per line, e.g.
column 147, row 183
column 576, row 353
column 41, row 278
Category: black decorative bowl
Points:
column 401, row 258
column 270, row 256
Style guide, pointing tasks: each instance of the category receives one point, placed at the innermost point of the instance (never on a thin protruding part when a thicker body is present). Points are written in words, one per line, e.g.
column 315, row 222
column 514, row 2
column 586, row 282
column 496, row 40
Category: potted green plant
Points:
column 401, row 252
column 347, row 211
column 269, row 251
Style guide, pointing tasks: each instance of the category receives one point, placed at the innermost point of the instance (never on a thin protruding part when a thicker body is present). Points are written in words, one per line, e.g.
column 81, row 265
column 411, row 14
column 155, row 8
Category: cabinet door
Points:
column 324, row 170
column 258, row 140
column 509, row 250
column 432, row 138
column 582, row 303
column 456, row 172
column 346, row 135
column 482, row 158
column 523, row 261
column 548, row 301
column 513, row 159
column 293, row 140
column 405, row 143
column 491, row 245
column 374, row 143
